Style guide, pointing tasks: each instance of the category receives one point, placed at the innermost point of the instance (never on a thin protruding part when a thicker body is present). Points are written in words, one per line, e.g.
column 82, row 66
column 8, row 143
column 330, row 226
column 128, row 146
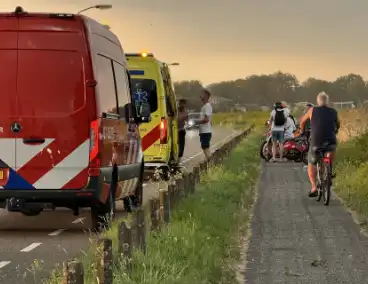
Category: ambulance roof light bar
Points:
column 143, row 54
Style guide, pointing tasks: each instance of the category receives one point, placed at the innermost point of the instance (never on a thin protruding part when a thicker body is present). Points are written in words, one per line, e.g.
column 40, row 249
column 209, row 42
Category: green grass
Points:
column 240, row 120
column 201, row 244
column 352, row 174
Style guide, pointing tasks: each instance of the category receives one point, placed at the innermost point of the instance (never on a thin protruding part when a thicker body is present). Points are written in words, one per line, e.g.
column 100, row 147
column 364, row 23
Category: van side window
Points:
column 122, row 84
column 169, row 107
column 106, row 98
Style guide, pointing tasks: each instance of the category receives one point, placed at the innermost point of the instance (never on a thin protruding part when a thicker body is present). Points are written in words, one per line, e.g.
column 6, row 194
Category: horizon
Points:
column 269, row 74
column 215, row 41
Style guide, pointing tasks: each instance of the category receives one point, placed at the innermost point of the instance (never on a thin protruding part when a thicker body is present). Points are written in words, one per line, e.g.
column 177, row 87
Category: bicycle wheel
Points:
column 327, row 183
column 319, row 182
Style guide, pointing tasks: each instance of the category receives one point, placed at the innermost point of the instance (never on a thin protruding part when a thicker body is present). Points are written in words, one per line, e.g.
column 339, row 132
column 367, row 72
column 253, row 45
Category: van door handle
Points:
column 33, row 140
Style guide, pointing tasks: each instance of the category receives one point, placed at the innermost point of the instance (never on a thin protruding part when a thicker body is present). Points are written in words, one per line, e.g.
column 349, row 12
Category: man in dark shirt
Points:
column 182, row 118
column 324, row 124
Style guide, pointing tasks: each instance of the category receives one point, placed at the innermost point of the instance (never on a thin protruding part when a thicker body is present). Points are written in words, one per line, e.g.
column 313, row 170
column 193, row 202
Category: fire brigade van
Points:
column 68, row 132
column 152, row 84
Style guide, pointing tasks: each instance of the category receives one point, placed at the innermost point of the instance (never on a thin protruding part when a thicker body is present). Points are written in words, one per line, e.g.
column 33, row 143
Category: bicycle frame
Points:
column 325, row 160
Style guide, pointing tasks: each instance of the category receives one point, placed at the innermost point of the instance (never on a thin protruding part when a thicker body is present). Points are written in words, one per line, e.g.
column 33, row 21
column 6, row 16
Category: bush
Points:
column 352, row 173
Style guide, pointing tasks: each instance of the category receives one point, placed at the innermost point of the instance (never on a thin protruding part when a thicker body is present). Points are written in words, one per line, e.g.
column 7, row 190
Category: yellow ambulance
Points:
column 151, row 82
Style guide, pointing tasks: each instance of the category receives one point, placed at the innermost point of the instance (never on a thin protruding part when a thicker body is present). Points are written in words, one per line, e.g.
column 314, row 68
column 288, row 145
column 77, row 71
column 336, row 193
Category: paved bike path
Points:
column 297, row 240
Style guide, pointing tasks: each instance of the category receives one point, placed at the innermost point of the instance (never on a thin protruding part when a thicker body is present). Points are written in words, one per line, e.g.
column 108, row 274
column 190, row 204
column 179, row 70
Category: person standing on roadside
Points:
column 182, row 118
column 205, row 129
column 277, row 119
column 307, row 127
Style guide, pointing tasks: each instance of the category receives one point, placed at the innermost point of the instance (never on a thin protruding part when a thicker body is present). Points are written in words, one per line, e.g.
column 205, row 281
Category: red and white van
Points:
column 68, row 134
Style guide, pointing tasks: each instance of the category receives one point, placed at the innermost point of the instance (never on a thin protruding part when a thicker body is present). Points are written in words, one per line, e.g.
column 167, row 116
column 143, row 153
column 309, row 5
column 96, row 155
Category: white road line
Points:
column 4, row 263
column 79, row 220
column 31, row 247
column 57, row 232
column 215, row 146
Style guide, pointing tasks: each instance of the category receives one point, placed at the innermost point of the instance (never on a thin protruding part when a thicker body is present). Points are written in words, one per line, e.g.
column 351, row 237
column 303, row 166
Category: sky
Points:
column 218, row 40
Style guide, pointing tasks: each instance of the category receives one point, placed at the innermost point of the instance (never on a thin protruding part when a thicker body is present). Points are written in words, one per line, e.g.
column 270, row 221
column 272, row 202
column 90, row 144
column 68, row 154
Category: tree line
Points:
column 264, row 90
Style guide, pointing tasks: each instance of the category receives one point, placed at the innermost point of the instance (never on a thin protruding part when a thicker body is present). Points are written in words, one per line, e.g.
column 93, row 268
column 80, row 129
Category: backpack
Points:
column 280, row 118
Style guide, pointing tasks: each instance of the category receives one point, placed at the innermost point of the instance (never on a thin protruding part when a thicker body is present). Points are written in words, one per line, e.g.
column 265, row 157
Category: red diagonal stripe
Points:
column 151, row 137
column 79, row 181
column 44, row 161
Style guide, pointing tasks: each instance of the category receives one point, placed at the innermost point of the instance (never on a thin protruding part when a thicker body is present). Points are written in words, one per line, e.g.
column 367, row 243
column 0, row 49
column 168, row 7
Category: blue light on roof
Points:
column 136, row 72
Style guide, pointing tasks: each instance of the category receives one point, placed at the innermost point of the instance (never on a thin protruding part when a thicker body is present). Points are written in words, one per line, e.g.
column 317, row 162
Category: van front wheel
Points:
column 102, row 215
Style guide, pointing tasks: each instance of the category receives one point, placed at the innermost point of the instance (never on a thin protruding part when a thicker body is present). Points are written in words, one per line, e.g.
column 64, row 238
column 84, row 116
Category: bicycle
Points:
column 324, row 176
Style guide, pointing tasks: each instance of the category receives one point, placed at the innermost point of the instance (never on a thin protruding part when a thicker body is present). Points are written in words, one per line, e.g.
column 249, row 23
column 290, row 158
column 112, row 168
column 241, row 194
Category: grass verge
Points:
column 200, row 245
column 352, row 174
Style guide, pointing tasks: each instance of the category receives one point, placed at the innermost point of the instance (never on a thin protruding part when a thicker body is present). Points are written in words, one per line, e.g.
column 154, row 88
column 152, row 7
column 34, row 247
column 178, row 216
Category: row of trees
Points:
column 265, row 89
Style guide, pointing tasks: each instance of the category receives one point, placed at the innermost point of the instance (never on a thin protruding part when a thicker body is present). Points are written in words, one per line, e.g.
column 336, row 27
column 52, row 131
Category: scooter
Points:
column 294, row 149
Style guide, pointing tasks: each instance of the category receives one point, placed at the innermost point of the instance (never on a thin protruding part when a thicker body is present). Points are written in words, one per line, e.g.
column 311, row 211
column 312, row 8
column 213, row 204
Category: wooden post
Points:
column 104, row 261
column 203, row 166
column 187, row 184
column 141, row 222
column 164, row 206
column 155, row 216
column 135, row 231
column 171, row 192
column 180, row 188
column 191, row 183
column 125, row 243
column 217, row 157
column 196, row 176
column 73, row 273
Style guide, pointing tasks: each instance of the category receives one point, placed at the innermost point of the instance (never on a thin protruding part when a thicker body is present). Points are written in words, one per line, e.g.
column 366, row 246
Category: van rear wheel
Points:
column 102, row 215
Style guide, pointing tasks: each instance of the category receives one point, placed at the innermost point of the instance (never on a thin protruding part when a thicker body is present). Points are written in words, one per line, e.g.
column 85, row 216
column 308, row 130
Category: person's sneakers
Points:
column 313, row 193
column 273, row 160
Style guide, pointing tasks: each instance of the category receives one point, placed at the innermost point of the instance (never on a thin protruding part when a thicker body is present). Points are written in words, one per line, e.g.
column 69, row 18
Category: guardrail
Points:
column 150, row 218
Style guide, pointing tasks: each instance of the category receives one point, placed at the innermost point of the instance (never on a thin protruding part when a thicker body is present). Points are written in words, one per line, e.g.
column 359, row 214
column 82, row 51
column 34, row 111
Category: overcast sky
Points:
column 217, row 40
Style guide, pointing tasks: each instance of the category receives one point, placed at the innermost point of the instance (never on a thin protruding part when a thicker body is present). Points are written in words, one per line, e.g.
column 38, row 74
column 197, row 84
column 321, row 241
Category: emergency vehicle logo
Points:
column 140, row 97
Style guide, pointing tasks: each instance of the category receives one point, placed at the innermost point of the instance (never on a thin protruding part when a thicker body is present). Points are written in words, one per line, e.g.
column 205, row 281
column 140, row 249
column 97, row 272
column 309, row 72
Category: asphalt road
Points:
column 32, row 246
column 297, row 240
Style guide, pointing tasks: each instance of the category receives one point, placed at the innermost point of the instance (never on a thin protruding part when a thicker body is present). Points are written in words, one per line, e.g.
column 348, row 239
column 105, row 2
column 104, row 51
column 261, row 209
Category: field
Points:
column 240, row 119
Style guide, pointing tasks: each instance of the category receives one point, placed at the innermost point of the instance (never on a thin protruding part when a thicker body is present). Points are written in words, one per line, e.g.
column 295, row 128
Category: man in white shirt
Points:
column 278, row 121
column 205, row 129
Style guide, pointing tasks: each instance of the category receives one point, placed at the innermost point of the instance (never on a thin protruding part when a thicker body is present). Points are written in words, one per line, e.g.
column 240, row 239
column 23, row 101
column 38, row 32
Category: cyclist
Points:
column 324, row 126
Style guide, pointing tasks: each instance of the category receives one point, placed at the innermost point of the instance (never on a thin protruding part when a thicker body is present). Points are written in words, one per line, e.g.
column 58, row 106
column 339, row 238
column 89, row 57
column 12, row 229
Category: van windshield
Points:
column 145, row 90
column 50, row 83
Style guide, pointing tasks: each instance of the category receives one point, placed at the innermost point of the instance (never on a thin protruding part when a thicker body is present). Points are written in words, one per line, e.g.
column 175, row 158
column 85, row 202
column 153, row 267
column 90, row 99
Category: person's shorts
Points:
column 278, row 136
column 314, row 152
column 205, row 139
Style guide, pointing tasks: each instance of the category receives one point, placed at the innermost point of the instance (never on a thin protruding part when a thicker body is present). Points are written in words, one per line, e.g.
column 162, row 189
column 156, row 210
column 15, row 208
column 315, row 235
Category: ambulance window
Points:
column 106, row 98
column 145, row 90
column 122, row 84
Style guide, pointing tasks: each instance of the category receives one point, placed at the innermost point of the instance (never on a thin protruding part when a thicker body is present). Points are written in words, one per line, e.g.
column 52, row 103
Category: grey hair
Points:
column 323, row 98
